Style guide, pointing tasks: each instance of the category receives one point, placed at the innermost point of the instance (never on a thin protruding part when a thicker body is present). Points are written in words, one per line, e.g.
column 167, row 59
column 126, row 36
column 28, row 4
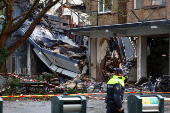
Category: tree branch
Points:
column 27, row 34
column 9, row 17
column 19, row 16
column 5, row 2
column 20, row 22
column 2, row 6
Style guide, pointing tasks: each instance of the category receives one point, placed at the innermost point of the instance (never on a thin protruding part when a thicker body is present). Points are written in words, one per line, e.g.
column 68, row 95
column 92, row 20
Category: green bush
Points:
column 74, row 91
column 48, row 76
column 38, row 78
column 12, row 86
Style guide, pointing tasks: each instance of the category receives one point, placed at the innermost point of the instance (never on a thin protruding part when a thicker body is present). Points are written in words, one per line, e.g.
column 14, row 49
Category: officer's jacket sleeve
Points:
column 117, row 95
column 122, row 92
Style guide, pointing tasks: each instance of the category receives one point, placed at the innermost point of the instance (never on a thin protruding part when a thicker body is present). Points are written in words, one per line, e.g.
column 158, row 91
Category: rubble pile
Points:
column 60, row 47
column 61, row 44
column 83, row 82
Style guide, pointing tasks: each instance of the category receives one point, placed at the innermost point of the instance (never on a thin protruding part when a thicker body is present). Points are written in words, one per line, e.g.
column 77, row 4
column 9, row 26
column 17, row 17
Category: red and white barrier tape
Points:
column 147, row 92
column 85, row 94
column 27, row 80
column 78, row 94
column 5, row 73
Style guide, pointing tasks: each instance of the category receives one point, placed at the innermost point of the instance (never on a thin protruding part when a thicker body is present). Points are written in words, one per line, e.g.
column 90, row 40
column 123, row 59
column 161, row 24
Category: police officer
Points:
column 115, row 92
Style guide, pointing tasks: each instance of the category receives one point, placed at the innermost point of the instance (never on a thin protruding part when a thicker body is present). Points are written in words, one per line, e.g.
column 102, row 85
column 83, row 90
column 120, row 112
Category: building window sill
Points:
column 107, row 12
column 150, row 7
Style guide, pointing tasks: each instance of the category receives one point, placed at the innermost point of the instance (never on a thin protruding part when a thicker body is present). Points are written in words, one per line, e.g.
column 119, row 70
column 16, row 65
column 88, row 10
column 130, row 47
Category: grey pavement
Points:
column 30, row 106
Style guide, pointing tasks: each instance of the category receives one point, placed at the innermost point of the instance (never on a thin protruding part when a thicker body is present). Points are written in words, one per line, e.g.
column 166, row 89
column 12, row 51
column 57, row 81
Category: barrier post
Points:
column 1, row 105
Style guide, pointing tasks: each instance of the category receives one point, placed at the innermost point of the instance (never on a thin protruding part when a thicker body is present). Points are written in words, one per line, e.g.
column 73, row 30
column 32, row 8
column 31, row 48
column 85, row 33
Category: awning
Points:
column 125, row 30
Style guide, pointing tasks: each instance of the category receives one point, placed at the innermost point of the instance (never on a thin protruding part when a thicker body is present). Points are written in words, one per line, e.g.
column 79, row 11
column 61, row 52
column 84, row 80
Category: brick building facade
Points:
column 124, row 18
column 120, row 11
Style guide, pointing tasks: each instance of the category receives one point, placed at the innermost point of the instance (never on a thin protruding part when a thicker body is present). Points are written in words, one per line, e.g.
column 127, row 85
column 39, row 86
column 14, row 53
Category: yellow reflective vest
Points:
column 117, row 79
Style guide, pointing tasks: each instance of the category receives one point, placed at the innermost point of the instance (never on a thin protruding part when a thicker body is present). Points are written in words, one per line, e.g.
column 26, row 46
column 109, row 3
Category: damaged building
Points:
column 143, row 29
column 135, row 38
column 51, row 47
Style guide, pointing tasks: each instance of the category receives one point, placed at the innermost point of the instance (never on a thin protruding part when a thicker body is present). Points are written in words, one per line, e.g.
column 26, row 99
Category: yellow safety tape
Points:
column 78, row 94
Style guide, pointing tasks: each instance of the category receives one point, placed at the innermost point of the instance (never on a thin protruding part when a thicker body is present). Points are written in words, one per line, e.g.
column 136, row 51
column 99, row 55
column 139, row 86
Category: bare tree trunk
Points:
column 3, row 60
column 3, row 69
column 11, row 27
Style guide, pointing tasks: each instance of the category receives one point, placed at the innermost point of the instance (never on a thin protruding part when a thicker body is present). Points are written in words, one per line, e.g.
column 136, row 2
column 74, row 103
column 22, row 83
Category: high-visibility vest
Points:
column 117, row 79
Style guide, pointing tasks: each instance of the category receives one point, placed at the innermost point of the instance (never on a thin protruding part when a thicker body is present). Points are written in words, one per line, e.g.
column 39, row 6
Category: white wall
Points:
column 97, row 58
column 29, row 59
column 141, row 57
column 93, row 57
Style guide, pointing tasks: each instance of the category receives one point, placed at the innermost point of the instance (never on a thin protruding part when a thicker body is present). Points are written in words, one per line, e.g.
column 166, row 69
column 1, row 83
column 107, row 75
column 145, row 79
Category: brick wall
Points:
column 117, row 15
column 144, row 12
column 121, row 12
column 107, row 19
column 168, row 9
column 122, row 15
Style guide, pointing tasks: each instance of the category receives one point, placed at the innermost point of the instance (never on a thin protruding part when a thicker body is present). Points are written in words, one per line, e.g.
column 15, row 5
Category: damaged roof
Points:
column 53, row 46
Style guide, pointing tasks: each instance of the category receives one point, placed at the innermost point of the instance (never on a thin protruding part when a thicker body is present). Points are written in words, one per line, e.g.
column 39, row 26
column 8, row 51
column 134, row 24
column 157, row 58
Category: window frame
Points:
column 103, row 11
column 139, row 4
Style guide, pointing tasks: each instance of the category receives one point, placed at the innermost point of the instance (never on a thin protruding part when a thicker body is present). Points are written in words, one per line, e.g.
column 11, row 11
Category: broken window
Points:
column 104, row 6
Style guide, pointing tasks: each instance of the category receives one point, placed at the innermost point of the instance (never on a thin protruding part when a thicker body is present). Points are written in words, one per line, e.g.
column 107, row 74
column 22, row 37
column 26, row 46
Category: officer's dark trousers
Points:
column 111, row 109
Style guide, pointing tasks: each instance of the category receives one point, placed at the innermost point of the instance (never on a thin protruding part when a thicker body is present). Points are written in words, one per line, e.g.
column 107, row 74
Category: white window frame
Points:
column 138, row 4
column 158, row 2
column 102, row 12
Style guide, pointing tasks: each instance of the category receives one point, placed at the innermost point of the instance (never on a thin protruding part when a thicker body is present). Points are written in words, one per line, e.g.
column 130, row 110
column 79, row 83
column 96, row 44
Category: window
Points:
column 158, row 2
column 138, row 4
column 104, row 6
column 19, row 64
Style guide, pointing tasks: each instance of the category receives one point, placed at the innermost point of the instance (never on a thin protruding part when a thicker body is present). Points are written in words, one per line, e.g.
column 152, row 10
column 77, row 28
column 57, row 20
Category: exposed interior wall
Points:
column 101, row 53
